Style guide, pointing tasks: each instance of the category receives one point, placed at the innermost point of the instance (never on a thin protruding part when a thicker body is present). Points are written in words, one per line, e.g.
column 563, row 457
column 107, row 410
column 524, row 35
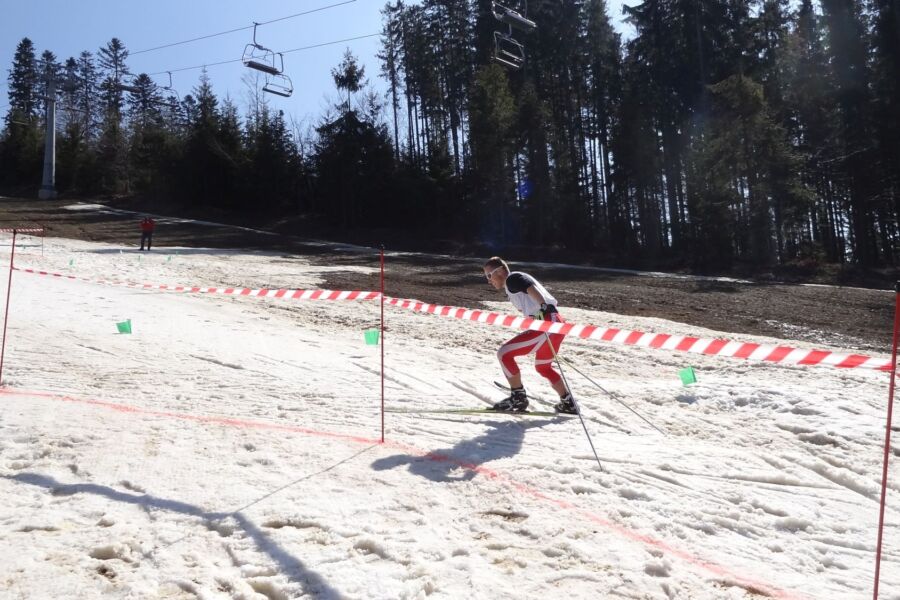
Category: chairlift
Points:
column 508, row 51
column 257, row 56
column 279, row 84
column 169, row 87
column 172, row 94
column 512, row 18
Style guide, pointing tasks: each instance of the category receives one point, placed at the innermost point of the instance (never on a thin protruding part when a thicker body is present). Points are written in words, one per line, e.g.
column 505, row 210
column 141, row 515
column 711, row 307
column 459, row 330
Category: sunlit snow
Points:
column 230, row 448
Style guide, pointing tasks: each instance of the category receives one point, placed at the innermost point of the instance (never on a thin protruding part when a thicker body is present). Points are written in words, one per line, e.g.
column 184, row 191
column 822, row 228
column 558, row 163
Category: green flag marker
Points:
column 687, row 376
column 124, row 326
column 71, row 261
column 169, row 259
column 371, row 337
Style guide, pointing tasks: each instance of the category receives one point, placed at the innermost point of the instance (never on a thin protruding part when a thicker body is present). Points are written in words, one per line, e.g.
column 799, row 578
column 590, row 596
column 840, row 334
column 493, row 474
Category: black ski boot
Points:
column 517, row 402
column 566, row 405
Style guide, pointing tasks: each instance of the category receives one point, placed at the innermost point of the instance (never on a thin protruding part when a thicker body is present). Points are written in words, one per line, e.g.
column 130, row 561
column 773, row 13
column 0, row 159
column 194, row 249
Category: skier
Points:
column 533, row 300
column 147, row 225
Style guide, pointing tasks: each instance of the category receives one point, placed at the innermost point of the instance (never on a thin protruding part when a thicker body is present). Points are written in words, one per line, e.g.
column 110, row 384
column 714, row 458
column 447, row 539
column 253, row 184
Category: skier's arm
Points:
column 532, row 291
column 547, row 309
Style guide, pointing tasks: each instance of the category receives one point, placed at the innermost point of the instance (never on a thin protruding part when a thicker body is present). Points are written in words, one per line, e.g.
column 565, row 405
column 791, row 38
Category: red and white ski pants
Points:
column 526, row 343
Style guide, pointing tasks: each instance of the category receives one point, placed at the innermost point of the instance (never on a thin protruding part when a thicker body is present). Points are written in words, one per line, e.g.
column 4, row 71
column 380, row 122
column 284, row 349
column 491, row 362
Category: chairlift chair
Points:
column 170, row 88
column 279, row 84
column 257, row 56
column 512, row 18
column 508, row 51
column 172, row 94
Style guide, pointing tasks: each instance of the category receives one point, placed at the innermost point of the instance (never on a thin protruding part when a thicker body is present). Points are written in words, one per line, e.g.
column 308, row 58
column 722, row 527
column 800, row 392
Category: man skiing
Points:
column 533, row 300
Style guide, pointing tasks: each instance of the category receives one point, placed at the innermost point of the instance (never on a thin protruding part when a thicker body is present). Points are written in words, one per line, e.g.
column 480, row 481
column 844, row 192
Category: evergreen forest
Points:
column 721, row 133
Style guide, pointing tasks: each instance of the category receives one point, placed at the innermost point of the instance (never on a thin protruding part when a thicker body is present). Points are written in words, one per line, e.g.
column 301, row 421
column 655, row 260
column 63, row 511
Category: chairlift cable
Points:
column 212, row 35
column 361, row 37
column 307, row 12
column 225, row 62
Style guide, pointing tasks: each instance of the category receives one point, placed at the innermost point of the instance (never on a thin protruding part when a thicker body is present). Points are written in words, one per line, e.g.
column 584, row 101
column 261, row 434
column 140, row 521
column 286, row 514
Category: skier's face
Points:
column 496, row 276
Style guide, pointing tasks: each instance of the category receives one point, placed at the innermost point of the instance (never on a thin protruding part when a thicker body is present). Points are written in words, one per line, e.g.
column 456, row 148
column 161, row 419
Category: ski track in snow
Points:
column 765, row 484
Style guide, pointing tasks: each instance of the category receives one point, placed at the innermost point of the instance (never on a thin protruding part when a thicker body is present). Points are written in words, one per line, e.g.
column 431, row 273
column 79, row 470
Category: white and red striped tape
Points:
column 260, row 293
column 661, row 341
column 22, row 230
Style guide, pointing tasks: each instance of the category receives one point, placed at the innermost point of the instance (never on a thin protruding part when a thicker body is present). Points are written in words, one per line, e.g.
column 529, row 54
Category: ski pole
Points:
column 614, row 397
column 577, row 407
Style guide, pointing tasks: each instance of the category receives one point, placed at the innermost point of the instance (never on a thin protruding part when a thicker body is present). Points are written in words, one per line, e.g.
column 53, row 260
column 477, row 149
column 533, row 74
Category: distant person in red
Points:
column 147, row 225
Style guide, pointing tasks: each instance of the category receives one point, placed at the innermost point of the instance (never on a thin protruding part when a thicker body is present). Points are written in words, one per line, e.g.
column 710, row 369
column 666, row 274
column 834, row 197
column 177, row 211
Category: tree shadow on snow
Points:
column 461, row 462
column 290, row 566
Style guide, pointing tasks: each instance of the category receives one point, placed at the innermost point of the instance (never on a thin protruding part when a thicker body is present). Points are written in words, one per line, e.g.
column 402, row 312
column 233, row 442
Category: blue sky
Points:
column 67, row 27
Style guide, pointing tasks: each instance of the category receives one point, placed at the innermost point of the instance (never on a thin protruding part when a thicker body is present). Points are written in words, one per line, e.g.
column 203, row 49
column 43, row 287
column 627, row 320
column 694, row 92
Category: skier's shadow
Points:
column 462, row 461
column 291, row 566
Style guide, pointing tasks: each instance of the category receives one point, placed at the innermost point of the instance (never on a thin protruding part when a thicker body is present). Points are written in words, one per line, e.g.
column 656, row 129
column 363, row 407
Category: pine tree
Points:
column 85, row 95
column 112, row 145
column 21, row 147
column 204, row 158
column 602, row 47
column 349, row 76
column 24, row 82
column 886, row 77
column 746, row 163
column 112, row 59
column 492, row 115
column 807, row 94
column 390, row 56
column 848, row 56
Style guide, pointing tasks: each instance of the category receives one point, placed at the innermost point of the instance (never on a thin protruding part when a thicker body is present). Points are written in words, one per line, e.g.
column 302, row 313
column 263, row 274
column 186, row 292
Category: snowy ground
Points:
column 230, row 448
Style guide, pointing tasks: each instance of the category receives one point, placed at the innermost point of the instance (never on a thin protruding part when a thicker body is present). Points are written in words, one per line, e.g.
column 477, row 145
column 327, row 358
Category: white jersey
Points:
column 517, row 284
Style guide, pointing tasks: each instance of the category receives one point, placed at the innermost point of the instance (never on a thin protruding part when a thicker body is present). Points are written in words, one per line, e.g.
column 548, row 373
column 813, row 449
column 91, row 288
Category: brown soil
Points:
column 853, row 318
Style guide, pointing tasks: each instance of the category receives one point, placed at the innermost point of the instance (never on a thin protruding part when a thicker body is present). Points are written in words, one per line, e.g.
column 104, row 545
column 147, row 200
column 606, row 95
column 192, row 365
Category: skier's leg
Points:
column 543, row 363
column 522, row 344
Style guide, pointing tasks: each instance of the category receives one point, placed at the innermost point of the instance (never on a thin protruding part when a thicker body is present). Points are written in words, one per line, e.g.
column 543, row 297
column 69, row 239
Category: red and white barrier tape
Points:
column 19, row 230
column 261, row 293
column 661, row 341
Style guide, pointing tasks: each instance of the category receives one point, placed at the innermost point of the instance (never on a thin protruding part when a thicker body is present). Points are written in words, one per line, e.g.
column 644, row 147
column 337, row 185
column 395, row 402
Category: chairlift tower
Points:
column 48, row 181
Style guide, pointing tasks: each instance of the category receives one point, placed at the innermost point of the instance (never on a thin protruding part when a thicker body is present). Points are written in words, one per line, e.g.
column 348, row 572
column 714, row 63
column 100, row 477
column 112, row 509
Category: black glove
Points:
column 546, row 313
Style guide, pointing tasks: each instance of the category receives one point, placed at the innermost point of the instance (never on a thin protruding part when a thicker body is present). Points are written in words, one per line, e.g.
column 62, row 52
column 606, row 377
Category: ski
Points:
column 477, row 411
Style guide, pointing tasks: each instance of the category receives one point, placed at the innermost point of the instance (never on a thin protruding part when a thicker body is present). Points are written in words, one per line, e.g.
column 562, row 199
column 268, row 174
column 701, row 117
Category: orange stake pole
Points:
column 12, row 256
column 887, row 437
column 382, row 344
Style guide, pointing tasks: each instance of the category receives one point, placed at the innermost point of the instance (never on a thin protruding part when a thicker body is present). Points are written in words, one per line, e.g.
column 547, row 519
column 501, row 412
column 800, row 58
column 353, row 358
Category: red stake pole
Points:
column 887, row 437
column 382, row 344
column 12, row 256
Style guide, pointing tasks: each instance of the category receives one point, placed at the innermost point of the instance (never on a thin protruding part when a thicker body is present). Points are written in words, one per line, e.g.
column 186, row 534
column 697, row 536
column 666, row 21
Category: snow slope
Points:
column 230, row 448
